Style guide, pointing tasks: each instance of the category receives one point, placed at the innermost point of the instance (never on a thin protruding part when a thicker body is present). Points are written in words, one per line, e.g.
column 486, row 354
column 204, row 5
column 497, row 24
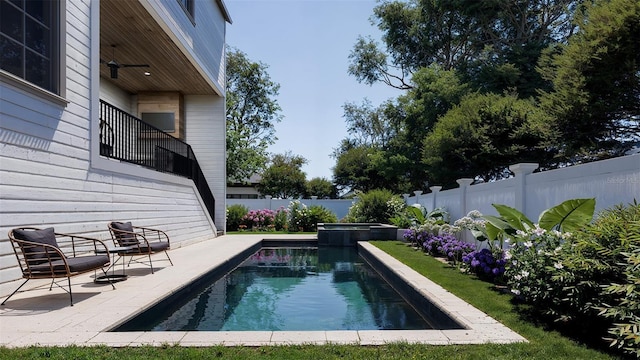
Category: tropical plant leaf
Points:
column 571, row 215
column 479, row 235
column 515, row 218
column 495, row 226
column 417, row 214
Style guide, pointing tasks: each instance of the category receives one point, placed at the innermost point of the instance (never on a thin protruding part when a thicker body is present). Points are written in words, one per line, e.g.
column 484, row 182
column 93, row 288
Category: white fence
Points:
column 611, row 182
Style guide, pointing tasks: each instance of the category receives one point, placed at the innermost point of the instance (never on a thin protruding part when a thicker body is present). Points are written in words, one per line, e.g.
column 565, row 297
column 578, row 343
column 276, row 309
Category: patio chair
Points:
column 139, row 241
column 45, row 254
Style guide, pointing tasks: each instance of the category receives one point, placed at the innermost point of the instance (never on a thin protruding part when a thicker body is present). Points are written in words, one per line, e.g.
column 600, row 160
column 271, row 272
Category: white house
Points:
column 74, row 154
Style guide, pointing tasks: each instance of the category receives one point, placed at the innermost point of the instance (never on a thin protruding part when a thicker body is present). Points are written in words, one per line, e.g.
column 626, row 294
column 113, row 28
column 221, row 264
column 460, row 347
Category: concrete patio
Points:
column 43, row 317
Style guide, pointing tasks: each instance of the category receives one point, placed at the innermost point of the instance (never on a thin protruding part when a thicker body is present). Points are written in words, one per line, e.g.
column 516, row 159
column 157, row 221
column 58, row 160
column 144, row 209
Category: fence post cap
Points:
column 464, row 182
column 523, row 168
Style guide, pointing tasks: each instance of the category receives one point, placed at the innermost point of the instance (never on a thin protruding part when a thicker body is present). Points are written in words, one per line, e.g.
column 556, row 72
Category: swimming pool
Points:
column 293, row 289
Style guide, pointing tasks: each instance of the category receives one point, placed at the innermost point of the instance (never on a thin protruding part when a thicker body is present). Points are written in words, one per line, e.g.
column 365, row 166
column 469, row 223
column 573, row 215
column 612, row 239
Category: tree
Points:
column 393, row 134
column 252, row 112
column 484, row 134
column 439, row 52
column 353, row 169
column 497, row 40
column 595, row 100
column 370, row 126
column 322, row 188
column 284, row 177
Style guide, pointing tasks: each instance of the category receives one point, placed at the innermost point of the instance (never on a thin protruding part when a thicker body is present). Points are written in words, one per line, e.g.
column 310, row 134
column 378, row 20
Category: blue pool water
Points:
column 289, row 289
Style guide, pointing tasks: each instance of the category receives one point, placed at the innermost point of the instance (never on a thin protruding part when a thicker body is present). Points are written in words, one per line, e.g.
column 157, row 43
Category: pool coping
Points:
column 41, row 317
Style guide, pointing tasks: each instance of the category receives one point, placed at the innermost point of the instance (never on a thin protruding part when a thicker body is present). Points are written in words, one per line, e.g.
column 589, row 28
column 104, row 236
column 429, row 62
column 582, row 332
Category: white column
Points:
column 435, row 190
column 520, row 172
column 417, row 193
column 464, row 185
column 268, row 197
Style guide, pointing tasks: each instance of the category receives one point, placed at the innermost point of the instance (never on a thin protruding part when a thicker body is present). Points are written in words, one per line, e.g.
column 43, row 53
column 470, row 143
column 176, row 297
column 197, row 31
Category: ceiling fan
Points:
column 114, row 65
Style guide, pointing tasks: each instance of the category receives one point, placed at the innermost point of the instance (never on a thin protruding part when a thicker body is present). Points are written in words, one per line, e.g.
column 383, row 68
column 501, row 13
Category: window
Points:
column 29, row 41
column 188, row 6
column 162, row 121
column 242, row 196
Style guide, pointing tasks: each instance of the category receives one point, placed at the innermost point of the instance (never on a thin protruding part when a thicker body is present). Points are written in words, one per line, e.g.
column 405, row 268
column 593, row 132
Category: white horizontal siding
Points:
column 206, row 133
column 46, row 174
column 116, row 97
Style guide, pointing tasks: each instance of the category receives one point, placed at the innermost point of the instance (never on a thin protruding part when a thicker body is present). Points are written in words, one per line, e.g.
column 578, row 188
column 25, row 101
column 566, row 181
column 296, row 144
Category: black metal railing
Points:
column 126, row 138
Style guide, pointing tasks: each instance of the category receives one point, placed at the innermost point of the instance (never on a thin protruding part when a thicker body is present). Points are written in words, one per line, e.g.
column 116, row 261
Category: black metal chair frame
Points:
column 142, row 246
column 55, row 260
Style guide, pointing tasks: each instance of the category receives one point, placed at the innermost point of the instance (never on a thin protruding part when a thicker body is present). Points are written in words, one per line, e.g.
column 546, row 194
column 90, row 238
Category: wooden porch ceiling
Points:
column 138, row 39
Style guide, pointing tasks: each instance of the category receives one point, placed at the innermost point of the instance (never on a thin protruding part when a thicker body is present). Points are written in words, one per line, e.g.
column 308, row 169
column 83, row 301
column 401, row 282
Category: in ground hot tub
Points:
column 348, row 234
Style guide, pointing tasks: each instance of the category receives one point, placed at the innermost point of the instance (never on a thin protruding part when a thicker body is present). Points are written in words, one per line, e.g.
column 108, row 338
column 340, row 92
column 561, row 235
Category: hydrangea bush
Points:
column 486, row 264
column 298, row 214
column 415, row 237
column 261, row 220
column 303, row 218
column 453, row 248
column 532, row 263
column 474, row 222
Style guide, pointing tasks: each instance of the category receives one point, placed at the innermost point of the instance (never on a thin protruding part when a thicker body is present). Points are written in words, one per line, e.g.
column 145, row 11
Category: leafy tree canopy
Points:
column 252, row 111
column 284, row 177
column 480, row 39
column 595, row 101
column 322, row 188
column 484, row 134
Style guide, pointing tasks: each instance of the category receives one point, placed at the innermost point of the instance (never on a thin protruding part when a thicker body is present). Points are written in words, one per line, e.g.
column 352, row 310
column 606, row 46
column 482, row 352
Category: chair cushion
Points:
column 124, row 239
column 144, row 249
column 37, row 254
column 76, row 265
column 156, row 246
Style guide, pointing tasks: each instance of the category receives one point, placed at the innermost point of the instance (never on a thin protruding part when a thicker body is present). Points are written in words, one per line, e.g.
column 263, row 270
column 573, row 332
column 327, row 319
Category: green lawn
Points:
column 542, row 344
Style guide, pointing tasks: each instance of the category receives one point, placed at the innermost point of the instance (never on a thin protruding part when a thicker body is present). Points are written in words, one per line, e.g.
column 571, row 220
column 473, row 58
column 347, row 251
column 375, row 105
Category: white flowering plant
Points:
column 532, row 263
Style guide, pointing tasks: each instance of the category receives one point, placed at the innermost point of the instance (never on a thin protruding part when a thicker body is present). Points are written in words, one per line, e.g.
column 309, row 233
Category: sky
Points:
column 305, row 45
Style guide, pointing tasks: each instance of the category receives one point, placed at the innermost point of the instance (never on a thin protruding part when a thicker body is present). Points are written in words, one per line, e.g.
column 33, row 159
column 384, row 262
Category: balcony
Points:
column 126, row 138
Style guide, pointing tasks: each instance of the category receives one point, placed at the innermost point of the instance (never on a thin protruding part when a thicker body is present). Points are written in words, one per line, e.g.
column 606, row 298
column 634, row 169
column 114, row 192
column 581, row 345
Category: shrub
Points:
column 372, row 207
column 531, row 264
column 447, row 245
column 576, row 280
column 402, row 220
column 318, row 214
column 625, row 332
column 235, row 213
column 605, row 258
column 486, row 264
column 400, row 216
column 415, row 237
column 260, row 220
column 298, row 214
column 281, row 219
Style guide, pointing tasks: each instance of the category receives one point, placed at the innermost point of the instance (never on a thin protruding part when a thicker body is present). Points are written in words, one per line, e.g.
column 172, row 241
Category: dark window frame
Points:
column 40, row 67
column 189, row 8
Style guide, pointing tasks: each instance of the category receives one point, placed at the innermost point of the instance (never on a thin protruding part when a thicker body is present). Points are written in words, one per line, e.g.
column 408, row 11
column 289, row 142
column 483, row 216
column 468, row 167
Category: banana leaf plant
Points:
column 420, row 215
column 570, row 215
